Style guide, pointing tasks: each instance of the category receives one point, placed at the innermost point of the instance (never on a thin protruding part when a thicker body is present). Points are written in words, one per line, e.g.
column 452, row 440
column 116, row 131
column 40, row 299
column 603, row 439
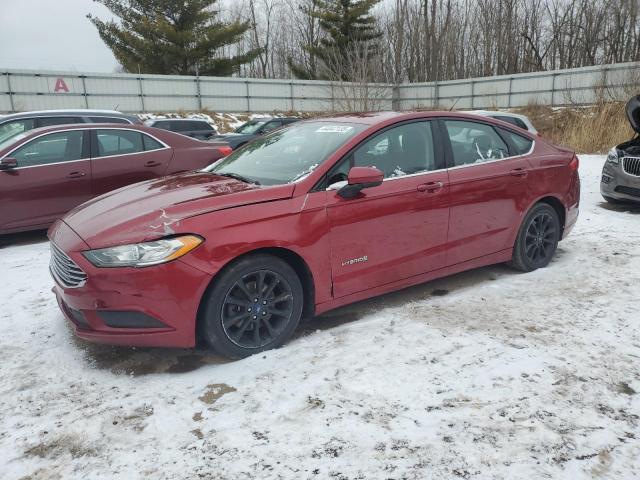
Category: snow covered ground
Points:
column 489, row 374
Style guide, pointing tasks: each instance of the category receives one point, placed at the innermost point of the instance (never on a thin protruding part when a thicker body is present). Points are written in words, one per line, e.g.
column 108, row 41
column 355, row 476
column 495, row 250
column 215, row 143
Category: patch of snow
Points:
column 488, row 374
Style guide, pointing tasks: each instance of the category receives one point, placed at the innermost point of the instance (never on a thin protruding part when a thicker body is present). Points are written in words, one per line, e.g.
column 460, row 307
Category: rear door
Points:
column 398, row 229
column 489, row 191
column 53, row 176
column 121, row 157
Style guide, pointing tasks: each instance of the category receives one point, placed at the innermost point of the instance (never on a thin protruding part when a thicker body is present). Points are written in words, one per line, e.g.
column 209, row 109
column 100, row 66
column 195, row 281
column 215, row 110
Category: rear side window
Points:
column 52, row 148
column 473, row 142
column 108, row 120
column 521, row 144
column 512, row 120
column 48, row 121
column 119, row 142
column 150, row 143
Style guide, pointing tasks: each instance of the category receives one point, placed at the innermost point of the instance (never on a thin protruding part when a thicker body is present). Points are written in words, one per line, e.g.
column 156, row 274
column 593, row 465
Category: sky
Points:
column 53, row 35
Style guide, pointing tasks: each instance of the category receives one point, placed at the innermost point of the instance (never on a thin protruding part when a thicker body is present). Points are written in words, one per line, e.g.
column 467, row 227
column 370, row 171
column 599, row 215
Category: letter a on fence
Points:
column 61, row 86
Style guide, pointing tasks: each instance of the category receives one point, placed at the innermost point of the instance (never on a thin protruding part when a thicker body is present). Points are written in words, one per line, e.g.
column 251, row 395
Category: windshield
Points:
column 286, row 155
column 251, row 127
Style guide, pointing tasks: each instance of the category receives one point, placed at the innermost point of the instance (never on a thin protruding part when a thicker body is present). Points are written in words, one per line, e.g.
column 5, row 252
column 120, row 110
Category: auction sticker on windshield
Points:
column 334, row 129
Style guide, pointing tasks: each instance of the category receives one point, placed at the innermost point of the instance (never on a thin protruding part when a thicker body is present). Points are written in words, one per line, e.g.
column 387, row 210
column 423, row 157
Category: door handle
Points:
column 152, row 163
column 76, row 175
column 431, row 187
column 518, row 172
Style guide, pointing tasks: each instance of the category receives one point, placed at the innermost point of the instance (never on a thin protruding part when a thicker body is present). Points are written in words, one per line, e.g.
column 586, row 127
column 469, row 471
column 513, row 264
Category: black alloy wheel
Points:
column 538, row 239
column 257, row 309
column 253, row 305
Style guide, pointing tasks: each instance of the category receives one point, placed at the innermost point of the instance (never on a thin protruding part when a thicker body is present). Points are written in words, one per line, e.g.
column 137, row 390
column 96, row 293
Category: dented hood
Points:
column 633, row 112
column 154, row 208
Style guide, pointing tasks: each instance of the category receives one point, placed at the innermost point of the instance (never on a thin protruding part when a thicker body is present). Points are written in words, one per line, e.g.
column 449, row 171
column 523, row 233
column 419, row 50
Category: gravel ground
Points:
column 489, row 374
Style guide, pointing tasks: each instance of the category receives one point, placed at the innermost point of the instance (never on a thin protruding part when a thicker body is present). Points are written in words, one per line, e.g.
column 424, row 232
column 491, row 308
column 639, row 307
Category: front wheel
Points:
column 537, row 239
column 255, row 305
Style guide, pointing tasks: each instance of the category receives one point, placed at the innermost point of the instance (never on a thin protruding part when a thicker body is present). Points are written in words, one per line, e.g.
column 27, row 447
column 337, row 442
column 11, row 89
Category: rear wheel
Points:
column 537, row 239
column 254, row 305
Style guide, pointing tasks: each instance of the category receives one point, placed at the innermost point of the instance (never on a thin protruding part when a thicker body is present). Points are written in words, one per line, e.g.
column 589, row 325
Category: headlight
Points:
column 612, row 156
column 143, row 254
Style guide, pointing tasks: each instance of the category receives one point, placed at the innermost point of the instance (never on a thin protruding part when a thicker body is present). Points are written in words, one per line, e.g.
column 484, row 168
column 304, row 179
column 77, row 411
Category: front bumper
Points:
column 619, row 185
column 152, row 307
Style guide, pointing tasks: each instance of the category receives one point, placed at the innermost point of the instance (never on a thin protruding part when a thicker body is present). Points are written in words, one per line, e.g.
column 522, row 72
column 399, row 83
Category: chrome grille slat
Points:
column 64, row 270
column 631, row 165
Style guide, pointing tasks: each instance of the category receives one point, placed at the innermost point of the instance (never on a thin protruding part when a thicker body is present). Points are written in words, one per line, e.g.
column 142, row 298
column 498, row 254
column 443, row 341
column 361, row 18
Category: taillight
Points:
column 574, row 164
column 224, row 150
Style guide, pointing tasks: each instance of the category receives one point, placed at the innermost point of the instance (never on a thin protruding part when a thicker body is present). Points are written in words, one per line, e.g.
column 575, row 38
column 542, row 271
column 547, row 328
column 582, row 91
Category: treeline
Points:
column 370, row 40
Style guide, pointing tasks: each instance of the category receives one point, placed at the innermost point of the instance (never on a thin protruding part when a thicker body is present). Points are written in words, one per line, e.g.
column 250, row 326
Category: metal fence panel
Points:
column 28, row 90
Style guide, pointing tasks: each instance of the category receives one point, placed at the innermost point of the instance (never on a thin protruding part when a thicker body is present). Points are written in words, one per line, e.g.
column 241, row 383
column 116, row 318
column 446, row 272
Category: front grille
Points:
column 64, row 270
column 631, row 165
column 634, row 192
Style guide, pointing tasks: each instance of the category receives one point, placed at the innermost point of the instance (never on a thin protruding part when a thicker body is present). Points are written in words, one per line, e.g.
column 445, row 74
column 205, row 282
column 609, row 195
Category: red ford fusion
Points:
column 306, row 219
column 46, row 172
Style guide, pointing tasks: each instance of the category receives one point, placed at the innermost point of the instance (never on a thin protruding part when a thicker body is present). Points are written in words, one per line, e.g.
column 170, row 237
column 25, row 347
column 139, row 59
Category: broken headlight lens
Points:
column 143, row 254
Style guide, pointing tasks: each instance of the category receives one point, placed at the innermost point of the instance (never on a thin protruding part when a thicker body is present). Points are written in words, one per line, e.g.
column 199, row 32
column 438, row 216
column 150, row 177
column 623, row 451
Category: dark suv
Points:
column 17, row 123
column 620, row 182
column 191, row 127
column 253, row 129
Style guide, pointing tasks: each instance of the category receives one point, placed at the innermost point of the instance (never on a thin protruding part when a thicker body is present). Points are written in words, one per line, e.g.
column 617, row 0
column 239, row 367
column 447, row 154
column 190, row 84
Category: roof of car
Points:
column 63, row 112
column 153, row 120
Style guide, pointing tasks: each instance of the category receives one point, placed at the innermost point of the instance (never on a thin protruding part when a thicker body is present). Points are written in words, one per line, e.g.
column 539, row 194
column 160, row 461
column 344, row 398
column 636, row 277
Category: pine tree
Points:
column 350, row 35
column 171, row 37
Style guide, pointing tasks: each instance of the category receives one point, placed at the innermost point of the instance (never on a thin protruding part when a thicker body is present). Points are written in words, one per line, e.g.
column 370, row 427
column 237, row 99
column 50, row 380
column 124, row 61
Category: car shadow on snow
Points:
column 23, row 238
column 146, row 361
column 622, row 208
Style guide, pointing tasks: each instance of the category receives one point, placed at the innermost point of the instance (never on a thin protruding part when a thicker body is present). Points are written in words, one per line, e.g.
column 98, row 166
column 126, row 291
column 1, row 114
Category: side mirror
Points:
column 360, row 178
column 8, row 163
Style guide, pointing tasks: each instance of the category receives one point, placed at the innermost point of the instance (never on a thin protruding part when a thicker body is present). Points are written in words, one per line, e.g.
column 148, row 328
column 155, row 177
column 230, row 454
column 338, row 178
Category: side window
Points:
column 49, row 121
column 51, row 148
column 272, row 125
column 150, row 143
column 399, row 151
column 180, row 126
column 119, row 142
column 11, row 129
column 512, row 120
column 163, row 124
column 473, row 142
column 108, row 120
column 202, row 126
column 520, row 143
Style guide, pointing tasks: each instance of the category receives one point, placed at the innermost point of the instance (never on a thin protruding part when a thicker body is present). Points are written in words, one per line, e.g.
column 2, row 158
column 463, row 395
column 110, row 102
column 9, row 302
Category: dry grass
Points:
column 593, row 129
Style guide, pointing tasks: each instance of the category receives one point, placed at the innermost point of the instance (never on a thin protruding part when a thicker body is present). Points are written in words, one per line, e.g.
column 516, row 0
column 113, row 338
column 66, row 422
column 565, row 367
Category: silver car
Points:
column 620, row 182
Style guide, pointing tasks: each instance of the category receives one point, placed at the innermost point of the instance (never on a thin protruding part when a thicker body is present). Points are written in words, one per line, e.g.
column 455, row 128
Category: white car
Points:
column 516, row 119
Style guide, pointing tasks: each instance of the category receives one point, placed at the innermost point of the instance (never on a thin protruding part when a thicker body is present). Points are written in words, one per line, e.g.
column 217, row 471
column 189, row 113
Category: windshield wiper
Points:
column 237, row 177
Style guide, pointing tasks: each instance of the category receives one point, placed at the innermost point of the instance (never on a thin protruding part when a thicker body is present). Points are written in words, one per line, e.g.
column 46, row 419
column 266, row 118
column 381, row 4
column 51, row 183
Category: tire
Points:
column 537, row 239
column 239, row 318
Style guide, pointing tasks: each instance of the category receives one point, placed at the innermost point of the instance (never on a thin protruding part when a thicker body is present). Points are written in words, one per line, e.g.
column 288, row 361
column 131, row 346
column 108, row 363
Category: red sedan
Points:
column 306, row 219
column 46, row 172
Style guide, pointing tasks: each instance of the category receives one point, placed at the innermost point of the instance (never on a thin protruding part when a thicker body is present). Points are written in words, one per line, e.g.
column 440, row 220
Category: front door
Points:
column 488, row 189
column 121, row 157
column 52, row 177
column 395, row 230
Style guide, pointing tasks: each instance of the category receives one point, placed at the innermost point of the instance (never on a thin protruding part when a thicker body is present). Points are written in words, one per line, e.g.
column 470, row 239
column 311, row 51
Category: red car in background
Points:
column 46, row 172
column 306, row 219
